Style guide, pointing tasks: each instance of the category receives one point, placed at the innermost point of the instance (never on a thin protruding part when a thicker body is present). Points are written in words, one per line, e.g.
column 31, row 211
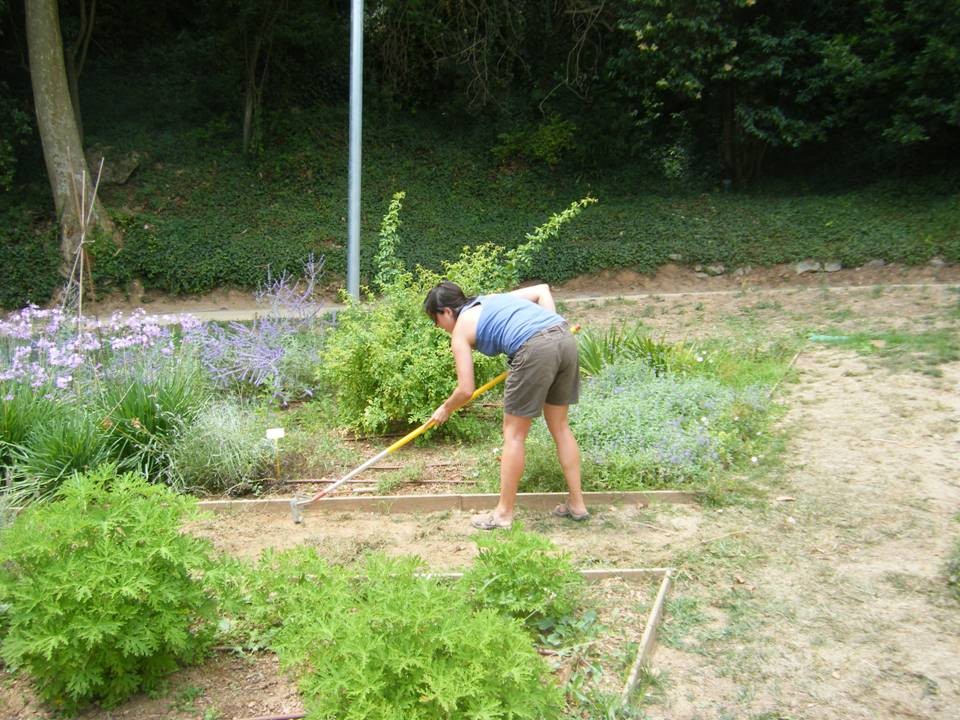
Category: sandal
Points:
column 562, row 511
column 488, row 522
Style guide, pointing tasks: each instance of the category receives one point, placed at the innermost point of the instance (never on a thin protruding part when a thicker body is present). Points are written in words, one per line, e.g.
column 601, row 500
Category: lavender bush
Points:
column 277, row 353
column 638, row 429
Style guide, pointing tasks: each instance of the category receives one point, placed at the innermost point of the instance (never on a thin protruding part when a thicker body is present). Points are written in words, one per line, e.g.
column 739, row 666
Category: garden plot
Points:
column 618, row 609
column 823, row 599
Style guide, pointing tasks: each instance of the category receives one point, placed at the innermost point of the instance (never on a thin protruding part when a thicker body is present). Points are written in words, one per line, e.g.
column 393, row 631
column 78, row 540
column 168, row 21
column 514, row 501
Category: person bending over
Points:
column 544, row 378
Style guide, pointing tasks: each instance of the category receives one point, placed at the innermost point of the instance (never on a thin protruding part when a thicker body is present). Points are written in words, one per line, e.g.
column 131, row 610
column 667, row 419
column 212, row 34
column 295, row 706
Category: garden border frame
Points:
column 387, row 504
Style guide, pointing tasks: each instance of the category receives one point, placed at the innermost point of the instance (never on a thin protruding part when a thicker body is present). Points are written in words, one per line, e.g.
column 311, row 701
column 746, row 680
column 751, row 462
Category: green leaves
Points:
column 386, row 363
column 103, row 590
column 521, row 575
column 380, row 640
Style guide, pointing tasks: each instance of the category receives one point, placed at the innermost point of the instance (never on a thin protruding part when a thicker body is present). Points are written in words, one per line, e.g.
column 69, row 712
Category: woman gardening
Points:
column 544, row 377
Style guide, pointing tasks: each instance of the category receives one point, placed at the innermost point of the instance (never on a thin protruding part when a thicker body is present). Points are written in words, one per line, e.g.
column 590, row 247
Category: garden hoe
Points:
column 297, row 503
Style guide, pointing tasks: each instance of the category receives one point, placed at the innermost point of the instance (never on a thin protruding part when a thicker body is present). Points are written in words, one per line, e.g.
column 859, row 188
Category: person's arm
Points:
column 540, row 294
column 463, row 358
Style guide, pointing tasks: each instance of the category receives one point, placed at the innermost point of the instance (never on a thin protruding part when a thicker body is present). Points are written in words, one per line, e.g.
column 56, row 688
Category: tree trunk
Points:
column 76, row 57
column 741, row 155
column 62, row 150
column 255, row 71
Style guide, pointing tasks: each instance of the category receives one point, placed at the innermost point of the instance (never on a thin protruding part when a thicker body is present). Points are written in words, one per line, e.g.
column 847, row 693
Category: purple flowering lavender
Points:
column 277, row 352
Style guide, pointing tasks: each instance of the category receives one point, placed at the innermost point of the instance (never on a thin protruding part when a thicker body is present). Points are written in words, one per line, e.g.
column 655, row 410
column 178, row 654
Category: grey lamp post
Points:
column 356, row 116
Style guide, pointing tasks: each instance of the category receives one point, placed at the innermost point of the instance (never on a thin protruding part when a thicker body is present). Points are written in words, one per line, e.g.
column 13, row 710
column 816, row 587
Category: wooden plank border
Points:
column 649, row 638
column 386, row 504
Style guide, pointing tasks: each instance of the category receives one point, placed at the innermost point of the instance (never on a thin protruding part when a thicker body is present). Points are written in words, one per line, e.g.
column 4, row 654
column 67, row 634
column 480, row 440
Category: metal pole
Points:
column 356, row 114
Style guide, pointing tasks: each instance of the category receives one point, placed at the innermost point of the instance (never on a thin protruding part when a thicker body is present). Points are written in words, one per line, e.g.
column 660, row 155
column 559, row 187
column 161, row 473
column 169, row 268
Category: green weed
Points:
column 901, row 351
column 390, row 481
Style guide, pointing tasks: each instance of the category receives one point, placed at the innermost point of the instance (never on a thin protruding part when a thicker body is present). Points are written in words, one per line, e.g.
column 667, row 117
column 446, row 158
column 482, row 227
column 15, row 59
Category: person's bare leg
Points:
column 515, row 429
column 568, row 453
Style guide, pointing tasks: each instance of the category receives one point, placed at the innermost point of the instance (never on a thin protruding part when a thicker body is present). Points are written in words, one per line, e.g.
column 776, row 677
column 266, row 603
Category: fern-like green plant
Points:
column 389, row 643
column 522, row 575
column 101, row 590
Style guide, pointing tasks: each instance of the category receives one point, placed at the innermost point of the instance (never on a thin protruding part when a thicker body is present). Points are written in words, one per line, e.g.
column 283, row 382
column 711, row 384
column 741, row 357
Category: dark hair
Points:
column 445, row 295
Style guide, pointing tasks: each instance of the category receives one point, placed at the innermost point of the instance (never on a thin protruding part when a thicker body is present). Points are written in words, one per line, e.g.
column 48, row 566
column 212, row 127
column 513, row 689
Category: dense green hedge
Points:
column 199, row 217
column 29, row 259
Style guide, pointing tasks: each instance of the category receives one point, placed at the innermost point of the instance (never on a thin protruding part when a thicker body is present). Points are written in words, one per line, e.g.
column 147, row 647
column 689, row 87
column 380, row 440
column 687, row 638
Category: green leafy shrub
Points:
column 103, row 591
column 384, row 360
column 381, row 640
column 222, row 450
column 546, row 143
column 520, row 574
column 641, row 429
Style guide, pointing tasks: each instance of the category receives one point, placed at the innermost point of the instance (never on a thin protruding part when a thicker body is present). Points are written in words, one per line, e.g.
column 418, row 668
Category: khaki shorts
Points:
column 546, row 369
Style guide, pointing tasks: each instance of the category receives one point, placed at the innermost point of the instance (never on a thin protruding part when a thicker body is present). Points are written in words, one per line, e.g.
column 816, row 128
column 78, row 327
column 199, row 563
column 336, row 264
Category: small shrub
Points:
column 385, row 362
column 102, row 590
column 380, row 640
column 546, row 143
column 223, row 450
column 639, row 429
column 520, row 574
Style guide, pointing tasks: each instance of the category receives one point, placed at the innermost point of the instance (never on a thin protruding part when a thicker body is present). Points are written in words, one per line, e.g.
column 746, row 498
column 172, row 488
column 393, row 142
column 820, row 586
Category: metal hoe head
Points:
column 295, row 509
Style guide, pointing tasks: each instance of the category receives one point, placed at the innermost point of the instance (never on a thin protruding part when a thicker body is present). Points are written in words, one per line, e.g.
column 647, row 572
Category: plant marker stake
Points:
column 275, row 434
column 298, row 502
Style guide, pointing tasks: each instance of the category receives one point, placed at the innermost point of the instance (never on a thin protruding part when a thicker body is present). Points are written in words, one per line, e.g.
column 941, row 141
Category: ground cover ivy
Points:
column 102, row 590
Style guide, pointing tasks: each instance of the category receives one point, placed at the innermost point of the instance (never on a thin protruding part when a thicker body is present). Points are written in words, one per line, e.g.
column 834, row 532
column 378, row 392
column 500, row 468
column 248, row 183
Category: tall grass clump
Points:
column 69, row 440
column 386, row 363
column 102, row 590
column 624, row 342
column 144, row 407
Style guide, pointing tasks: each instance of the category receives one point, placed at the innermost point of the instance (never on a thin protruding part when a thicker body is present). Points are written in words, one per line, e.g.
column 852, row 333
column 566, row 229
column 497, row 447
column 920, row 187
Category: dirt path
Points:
column 842, row 610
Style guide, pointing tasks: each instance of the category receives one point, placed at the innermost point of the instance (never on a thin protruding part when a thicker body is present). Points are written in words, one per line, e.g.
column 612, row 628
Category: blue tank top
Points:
column 506, row 322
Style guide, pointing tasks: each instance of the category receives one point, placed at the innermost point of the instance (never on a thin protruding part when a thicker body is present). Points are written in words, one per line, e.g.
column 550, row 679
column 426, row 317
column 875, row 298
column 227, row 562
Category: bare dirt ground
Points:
column 825, row 599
